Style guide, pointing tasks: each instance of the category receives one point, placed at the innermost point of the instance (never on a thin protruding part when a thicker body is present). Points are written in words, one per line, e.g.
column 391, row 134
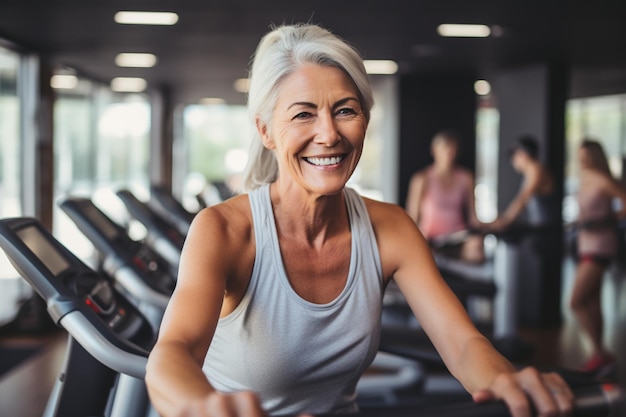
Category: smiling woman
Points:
column 317, row 130
column 269, row 68
column 287, row 294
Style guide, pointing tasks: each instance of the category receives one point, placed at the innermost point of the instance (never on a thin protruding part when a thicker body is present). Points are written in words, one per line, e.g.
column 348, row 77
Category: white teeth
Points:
column 325, row 161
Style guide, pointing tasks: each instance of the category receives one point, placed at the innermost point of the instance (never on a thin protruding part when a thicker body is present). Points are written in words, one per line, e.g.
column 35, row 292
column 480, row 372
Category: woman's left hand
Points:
column 524, row 390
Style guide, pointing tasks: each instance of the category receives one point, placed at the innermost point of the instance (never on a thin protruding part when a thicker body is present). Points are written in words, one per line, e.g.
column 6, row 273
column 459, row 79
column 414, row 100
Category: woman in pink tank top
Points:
column 441, row 198
column 597, row 245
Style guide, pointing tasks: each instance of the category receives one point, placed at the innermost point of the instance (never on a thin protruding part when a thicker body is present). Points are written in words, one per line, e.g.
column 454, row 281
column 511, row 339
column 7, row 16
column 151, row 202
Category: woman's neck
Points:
column 302, row 215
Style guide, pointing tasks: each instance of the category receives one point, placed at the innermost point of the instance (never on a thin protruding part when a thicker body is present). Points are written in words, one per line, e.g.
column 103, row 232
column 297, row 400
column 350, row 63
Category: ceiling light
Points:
column 128, row 84
column 64, row 82
column 212, row 100
column 464, row 31
column 242, row 85
column 482, row 87
column 382, row 66
column 146, row 18
column 135, row 60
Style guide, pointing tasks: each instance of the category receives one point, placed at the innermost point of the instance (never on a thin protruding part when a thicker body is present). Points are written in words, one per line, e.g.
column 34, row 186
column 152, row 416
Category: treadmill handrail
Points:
column 98, row 346
column 128, row 279
column 601, row 400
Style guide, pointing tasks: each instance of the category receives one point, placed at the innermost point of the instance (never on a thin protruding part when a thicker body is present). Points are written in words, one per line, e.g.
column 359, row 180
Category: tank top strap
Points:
column 362, row 228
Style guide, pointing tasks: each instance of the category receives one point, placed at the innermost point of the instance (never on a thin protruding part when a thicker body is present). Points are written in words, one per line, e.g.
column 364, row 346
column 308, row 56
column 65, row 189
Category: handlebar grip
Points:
column 604, row 400
column 599, row 400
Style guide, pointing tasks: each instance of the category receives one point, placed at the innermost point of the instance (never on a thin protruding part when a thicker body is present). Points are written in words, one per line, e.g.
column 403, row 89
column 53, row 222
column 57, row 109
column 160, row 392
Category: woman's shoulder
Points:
column 384, row 213
column 421, row 174
column 231, row 217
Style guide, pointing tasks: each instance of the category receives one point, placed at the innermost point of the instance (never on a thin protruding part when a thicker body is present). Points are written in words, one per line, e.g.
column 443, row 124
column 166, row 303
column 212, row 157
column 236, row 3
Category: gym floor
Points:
column 24, row 389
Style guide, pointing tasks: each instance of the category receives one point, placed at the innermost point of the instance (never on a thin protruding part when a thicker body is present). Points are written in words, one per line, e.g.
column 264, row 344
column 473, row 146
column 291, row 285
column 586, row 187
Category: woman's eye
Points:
column 302, row 115
column 346, row 111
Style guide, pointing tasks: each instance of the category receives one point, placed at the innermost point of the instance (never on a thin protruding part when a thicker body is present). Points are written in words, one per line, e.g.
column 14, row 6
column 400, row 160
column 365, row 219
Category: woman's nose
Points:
column 327, row 133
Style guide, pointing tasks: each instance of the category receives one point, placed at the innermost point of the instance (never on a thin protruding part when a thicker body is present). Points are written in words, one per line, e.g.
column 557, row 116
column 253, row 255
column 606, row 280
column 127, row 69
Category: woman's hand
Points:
column 547, row 393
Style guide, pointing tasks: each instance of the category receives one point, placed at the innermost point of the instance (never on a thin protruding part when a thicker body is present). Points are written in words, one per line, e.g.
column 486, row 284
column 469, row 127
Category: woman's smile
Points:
column 324, row 161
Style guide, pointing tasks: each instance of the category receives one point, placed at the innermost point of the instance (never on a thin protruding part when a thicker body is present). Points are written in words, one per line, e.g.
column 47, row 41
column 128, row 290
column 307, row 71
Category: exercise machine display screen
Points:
column 43, row 249
column 102, row 222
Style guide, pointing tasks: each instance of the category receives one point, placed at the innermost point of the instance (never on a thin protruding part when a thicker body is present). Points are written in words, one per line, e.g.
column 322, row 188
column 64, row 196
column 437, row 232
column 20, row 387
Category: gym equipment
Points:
column 507, row 275
column 597, row 400
column 168, row 208
column 139, row 273
column 109, row 339
column 162, row 237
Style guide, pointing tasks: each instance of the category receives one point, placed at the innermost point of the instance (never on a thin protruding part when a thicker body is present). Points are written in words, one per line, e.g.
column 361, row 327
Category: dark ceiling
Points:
column 213, row 41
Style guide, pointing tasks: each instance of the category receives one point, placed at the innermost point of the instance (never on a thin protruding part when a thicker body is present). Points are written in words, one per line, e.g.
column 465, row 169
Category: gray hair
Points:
column 281, row 52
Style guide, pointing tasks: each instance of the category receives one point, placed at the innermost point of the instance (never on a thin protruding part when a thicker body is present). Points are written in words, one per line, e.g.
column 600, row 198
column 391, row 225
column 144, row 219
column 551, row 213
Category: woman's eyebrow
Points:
column 303, row 104
column 340, row 102
column 344, row 101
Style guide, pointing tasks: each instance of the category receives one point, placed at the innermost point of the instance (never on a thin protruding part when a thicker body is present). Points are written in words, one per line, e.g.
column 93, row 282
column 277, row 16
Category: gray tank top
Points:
column 297, row 355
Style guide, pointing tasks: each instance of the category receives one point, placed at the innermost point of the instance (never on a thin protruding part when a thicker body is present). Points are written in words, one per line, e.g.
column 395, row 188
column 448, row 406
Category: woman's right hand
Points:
column 217, row 404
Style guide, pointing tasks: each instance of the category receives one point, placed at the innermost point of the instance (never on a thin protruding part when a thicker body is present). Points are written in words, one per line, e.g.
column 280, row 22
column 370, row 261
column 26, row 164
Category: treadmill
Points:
column 109, row 339
column 140, row 273
column 165, row 239
column 163, row 203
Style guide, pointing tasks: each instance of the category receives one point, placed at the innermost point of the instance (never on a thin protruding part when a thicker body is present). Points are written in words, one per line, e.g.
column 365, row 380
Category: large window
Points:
column 9, row 132
column 487, row 146
column 598, row 118
column 13, row 290
column 101, row 145
column 217, row 139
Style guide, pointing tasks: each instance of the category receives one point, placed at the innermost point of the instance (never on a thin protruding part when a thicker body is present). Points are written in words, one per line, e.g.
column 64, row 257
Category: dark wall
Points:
column 531, row 100
column 429, row 103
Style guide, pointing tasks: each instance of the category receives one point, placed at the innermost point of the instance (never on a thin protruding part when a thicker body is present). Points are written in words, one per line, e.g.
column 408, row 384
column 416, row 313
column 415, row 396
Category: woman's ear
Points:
column 263, row 130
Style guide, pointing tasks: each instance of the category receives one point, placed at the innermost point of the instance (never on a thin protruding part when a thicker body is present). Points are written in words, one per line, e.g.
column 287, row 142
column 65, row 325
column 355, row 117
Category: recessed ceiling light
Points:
column 135, row 60
column 63, row 81
column 464, row 31
column 482, row 87
column 146, row 18
column 381, row 66
column 242, row 85
column 128, row 84
column 212, row 100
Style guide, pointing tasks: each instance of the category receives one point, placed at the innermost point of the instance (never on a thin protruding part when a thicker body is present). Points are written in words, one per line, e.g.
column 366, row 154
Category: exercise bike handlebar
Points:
column 101, row 348
column 604, row 400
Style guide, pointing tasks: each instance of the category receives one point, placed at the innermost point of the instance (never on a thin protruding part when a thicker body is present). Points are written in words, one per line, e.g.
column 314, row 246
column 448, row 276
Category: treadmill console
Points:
column 117, row 248
column 67, row 284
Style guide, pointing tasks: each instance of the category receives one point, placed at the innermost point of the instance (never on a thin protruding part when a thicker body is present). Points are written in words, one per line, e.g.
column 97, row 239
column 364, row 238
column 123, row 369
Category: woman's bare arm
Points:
column 530, row 186
column 213, row 252
column 616, row 190
column 469, row 356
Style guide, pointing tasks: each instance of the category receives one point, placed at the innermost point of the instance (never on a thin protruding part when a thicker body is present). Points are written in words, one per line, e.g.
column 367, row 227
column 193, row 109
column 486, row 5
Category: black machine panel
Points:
column 118, row 248
column 67, row 284
column 153, row 222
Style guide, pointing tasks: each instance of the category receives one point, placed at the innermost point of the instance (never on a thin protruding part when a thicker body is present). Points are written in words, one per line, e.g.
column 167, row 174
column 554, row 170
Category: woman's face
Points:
column 444, row 152
column 519, row 159
column 317, row 129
